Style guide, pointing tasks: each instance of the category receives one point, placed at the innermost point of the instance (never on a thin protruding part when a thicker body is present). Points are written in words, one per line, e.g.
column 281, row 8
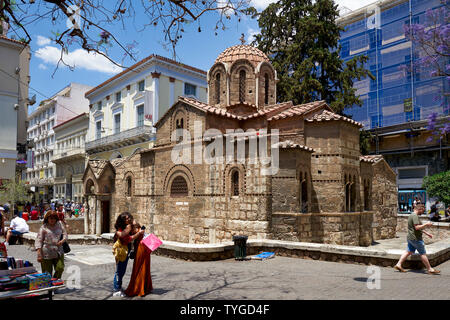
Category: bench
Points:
column 16, row 239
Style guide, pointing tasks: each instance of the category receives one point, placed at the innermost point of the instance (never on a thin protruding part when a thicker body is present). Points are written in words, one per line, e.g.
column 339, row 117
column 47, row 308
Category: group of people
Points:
column 53, row 233
column 128, row 238
column 33, row 211
column 434, row 213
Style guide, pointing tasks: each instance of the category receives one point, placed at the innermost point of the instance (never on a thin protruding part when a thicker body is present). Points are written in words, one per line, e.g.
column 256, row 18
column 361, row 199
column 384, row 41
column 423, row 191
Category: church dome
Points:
column 242, row 51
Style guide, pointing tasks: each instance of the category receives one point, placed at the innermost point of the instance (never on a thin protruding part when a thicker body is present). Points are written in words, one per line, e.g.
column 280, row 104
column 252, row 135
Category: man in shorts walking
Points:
column 415, row 241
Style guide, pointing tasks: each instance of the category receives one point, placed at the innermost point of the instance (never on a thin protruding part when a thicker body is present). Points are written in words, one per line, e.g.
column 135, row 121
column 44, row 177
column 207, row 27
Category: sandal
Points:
column 434, row 271
column 399, row 268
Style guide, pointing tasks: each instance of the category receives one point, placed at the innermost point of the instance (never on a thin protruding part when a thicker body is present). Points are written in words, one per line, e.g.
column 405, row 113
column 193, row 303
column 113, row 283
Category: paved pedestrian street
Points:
column 280, row 278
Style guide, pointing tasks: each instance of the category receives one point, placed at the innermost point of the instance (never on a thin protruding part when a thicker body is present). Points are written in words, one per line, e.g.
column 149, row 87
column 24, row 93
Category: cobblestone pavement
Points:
column 280, row 278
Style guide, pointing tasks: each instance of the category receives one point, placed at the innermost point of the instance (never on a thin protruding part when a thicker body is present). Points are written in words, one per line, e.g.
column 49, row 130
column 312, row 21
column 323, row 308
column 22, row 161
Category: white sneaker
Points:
column 118, row 294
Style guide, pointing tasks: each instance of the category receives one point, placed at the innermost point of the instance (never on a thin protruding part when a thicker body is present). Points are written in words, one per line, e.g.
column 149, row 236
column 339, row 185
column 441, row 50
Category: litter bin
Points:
column 240, row 247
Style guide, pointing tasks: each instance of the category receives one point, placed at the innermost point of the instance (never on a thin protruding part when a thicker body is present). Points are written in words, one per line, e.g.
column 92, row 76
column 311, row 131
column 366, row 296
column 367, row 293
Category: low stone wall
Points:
column 303, row 251
column 439, row 230
column 76, row 225
column 343, row 228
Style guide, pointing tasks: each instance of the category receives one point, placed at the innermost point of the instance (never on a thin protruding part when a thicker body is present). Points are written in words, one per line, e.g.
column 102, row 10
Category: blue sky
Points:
column 195, row 49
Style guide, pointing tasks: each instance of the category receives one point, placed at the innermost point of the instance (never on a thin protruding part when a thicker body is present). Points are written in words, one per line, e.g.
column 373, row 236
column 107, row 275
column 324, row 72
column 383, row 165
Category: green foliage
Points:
column 301, row 38
column 14, row 191
column 364, row 142
column 438, row 186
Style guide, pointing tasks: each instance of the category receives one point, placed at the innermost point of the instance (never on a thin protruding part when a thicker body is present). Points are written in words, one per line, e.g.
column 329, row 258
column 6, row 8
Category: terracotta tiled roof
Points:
column 371, row 158
column 98, row 166
column 118, row 161
column 299, row 110
column 202, row 107
column 269, row 110
column 252, row 54
column 326, row 115
column 13, row 41
column 153, row 56
column 288, row 144
column 208, row 108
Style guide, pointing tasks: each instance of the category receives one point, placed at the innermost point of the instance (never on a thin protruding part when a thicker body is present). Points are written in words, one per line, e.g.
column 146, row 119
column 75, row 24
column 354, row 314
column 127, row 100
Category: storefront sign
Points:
column 406, row 199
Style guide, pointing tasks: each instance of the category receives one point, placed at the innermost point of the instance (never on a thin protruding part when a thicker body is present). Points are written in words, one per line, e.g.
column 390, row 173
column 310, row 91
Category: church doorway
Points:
column 105, row 216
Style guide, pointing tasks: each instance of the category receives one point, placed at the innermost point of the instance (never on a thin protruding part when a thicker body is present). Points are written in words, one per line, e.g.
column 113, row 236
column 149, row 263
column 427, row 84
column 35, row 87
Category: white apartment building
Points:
column 14, row 79
column 70, row 158
column 63, row 106
column 124, row 108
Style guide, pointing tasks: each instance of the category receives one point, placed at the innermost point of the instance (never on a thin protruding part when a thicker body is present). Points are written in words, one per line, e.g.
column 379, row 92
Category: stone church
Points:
column 322, row 190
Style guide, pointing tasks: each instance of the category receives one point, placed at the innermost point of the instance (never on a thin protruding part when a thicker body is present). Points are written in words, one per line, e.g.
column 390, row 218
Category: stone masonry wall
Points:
column 334, row 228
column 384, row 201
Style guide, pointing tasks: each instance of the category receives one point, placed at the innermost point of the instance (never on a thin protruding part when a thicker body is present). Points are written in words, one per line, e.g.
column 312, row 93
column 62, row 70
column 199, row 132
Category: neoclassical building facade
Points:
column 244, row 164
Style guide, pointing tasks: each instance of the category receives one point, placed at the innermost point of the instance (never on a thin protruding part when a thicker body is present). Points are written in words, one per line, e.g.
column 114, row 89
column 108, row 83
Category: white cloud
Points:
column 251, row 32
column 261, row 4
column 354, row 5
column 42, row 41
column 78, row 59
column 42, row 66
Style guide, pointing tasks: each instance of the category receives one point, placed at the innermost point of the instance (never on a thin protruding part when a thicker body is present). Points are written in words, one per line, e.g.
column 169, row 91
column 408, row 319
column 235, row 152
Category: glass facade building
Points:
column 398, row 95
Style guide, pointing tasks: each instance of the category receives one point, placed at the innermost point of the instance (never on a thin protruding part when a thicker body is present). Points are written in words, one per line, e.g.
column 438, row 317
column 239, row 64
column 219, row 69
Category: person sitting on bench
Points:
column 17, row 227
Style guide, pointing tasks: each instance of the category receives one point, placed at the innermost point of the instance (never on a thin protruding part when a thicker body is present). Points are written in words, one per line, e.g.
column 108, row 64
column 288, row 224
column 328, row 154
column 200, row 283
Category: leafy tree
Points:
column 301, row 38
column 14, row 191
column 365, row 138
column 438, row 186
column 87, row 23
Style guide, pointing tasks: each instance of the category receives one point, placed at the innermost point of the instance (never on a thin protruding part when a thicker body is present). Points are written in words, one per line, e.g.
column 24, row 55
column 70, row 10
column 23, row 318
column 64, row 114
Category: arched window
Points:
column 347, row 194
column 235, row 183
column 179, row 187
column 179, row 123
column 218, row 88
column 353, row 195
column 242, row 77
column 303, row 193
column 129, row 187
column 367, row 195
column 266, row 89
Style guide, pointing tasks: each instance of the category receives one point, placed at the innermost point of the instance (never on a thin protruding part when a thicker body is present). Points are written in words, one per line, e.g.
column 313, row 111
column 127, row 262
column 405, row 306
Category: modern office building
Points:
column 14, row 79
column 70, row 158
column 396, row 105
column 124, row 108
column 63, row 106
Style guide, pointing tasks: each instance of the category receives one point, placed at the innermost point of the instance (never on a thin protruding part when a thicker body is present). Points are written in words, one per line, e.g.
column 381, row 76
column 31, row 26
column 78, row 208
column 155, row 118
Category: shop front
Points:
column 406, row 199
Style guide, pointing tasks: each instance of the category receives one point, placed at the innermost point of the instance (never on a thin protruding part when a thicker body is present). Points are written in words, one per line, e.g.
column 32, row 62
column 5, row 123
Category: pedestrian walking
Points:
column 68, row 209
column 415, row 240
column 49, row 247
column 121, row 248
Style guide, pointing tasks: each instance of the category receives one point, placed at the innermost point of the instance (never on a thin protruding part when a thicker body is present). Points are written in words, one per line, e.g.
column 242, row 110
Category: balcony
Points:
column 41, row 182
column 121, row 139
column 69, row 154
